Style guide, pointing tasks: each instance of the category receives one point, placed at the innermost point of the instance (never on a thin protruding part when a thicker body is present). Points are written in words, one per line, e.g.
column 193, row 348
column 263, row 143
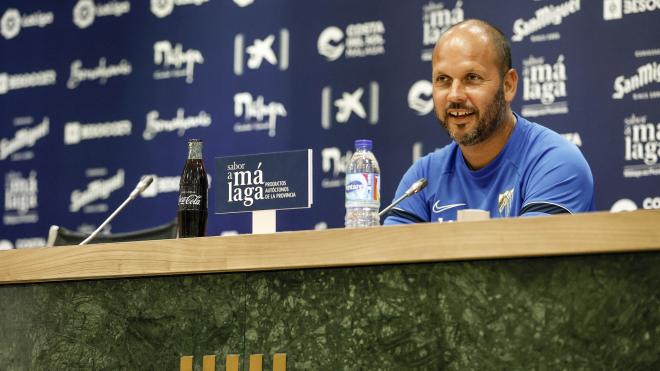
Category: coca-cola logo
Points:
column 195, row 200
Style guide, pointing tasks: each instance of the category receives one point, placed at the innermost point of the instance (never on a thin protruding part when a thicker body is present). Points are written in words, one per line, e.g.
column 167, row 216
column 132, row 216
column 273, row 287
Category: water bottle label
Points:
column 363, row 187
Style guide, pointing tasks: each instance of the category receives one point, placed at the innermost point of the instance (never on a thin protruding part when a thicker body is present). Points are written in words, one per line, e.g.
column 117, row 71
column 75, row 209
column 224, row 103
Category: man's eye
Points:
column 442, row 79
column 473, row 77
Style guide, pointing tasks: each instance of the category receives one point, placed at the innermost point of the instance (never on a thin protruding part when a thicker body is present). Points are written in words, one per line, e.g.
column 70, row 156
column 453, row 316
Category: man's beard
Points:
column 488, row 124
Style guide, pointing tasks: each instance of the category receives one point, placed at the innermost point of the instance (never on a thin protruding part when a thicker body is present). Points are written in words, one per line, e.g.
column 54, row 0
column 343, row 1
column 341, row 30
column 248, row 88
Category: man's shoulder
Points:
column 442, row 159
column 541, row 140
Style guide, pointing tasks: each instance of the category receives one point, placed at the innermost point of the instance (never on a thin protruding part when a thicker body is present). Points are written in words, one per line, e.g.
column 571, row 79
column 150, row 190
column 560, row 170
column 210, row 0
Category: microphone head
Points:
column 144, row 183
column 417, row 186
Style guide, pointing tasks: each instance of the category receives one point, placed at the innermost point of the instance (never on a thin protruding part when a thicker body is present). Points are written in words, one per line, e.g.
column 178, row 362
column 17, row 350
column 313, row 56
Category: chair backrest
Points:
column 60, row 236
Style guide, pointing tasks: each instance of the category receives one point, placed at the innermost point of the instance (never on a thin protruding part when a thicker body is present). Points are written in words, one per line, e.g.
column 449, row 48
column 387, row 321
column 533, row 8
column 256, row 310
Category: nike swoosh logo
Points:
column 440, row 209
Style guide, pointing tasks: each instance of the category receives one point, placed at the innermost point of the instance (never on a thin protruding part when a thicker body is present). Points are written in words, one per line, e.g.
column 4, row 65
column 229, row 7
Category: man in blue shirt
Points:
column 498, row 161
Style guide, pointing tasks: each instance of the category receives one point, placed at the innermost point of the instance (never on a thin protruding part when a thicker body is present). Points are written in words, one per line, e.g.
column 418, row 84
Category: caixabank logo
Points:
column 163, row 8
column 340, row 108
column 76, row 132
column 544, row 17
column 26, row 80
column 544, row 86
column 90, row 198
column 13, row 21
column 175, row 62
column 180, row 123
column 273, row 49
column 641, row 84
column 86, row 11
column 641, row 146
column 617, row 9
column 101, row 72
column 357, row 40
column 21, row 199
column 18, row 147
column 255, row 114
column 436, row 19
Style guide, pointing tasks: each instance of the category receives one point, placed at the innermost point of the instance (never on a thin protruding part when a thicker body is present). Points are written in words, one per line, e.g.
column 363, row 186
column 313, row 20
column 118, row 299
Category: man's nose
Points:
column 456, row 92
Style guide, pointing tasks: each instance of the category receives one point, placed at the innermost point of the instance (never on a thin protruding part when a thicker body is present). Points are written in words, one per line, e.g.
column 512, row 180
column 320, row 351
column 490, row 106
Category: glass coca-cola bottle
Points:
column 192, row 211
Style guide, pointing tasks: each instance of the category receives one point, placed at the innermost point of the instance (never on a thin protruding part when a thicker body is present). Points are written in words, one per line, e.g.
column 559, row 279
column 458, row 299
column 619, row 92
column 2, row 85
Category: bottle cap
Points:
column 364, row 144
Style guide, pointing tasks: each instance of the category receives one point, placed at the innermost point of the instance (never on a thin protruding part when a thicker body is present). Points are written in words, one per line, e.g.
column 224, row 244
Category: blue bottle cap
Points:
column 364, row 144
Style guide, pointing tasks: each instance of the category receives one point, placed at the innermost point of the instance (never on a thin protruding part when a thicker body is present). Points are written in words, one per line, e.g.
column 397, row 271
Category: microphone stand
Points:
column 414, row 188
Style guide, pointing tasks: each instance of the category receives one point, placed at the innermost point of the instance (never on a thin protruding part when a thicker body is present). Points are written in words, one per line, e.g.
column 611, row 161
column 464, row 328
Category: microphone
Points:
column 139, row 188
column 414, row 188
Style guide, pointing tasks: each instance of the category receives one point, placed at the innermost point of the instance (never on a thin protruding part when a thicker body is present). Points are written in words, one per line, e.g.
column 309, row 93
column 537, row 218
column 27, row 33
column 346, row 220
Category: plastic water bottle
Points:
column 362, row 187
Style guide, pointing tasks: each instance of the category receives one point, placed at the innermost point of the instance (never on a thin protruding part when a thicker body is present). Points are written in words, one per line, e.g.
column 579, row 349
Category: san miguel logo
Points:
column 265, row 181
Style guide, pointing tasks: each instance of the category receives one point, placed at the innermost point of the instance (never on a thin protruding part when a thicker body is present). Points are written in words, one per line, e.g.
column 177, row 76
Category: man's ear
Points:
column 510, row 85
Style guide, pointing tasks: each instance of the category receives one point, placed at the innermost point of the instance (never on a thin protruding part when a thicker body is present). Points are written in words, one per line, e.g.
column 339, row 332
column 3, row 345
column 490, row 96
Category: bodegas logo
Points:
column 261, row 50
column 232, row 362
column 256, row 114
column 358, row 40
column 102, row 72
column 616, row 9
column 180, row 123
column 546, row 16
column 163, row 8
column 13, row 21
column 21, row 198
column 544, row 83
column 641, row 147
column 645, row 75
column 436, row 19
column 75, row 132
column 350, row 104
column 23, row 139
column 175, row 61
column 86, row 11
column 98, row 189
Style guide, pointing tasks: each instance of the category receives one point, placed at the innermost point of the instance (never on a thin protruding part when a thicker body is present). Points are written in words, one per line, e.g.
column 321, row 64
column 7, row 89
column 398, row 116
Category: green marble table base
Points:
column 566, row 313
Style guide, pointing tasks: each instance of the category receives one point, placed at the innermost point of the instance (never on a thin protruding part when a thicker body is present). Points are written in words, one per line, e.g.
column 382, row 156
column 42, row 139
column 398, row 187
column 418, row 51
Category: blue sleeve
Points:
column 560, row 181
column 414, row 208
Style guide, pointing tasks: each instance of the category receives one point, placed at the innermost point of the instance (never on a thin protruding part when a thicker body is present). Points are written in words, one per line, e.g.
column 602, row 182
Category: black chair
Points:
column 60, row 236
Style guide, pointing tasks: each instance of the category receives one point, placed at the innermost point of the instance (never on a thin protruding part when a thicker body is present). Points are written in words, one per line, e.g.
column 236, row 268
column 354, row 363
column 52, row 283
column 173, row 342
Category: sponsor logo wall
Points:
column 80, row 126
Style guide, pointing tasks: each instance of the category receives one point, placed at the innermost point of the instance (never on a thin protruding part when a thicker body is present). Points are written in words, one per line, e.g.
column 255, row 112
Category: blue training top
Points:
column 537, row 172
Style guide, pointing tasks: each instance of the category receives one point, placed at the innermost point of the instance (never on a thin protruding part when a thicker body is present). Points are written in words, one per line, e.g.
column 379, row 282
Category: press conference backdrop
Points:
column 95, row 94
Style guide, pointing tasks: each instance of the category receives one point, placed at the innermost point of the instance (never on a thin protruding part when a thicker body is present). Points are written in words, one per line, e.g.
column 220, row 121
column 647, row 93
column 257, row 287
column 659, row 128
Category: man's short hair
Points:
column 499, row 40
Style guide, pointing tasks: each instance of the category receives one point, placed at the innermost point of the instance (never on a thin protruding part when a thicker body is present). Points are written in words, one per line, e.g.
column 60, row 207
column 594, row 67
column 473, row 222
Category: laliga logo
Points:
column 85, row 11
column 12, row 21
column 348, row 104
column 329, row 43
column 420, row 97
column 260, row 50
column 163, row 8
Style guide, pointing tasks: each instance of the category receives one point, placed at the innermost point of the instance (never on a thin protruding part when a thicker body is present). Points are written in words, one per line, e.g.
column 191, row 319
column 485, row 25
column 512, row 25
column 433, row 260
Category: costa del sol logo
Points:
column 75, row 132
column 96, row 190
column 13, row 21
column 549, row 15
column 544, row 83
column 175, row 62
column 626, row 204
column 356, row 41
column 646, row 74
column 163, row 8
column 21, row 199
column 641, row 146
column 260, row 51
column 180, row 123
column 102, row 72
column 86, row 11
column 436, row 19
column 256, row 114
column 25, row 138
column 616, row 9
column 334, row 164
column 350, row 104
column 420, row 97
column 26, row 80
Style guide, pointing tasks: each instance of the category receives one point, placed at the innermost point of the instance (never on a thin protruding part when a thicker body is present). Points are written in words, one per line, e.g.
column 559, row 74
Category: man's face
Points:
column 468, row 93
